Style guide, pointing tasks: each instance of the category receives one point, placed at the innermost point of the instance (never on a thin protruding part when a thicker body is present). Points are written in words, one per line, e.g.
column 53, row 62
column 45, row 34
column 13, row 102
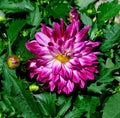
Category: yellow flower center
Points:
column 62, row 58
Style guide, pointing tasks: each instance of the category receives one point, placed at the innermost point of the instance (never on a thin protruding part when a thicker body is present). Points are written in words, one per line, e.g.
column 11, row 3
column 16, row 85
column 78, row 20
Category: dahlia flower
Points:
column 73, row 14
column 65, row 59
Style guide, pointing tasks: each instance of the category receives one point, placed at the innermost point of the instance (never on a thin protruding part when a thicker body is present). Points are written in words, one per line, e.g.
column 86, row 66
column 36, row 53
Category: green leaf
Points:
column 21, row 50
column 61, row 100
column 86, row 104
column 106, row 75
column 6, row 105
column 96, row 88
column 111, row 36
column 60, row 11
column 112, row 107
column 13, row 7
column 46, row 103
column 112, row 32
column 64, row 108
column 1, row 46
column 2, row 60
column 83, row 3
column 108, row 10
column 75, row 113
column 34, row 19
column 85, row 19
column 93, row 30
column 14, row 29
column 21, row 99
column 109, row 63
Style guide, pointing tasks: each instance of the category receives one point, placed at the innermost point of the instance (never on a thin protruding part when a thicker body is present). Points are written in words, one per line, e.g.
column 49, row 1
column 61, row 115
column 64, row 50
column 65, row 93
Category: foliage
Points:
column 19, row 20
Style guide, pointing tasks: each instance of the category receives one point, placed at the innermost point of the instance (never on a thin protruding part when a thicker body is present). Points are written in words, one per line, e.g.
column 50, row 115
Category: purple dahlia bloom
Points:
column 73, row 14
column 65, row 59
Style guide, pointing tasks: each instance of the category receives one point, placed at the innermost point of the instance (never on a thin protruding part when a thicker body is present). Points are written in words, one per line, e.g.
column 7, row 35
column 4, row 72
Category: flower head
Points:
column 73, row 14
column 65, row 59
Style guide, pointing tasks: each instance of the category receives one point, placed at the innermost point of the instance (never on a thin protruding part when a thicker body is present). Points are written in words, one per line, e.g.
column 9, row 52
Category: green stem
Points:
column 9, row 48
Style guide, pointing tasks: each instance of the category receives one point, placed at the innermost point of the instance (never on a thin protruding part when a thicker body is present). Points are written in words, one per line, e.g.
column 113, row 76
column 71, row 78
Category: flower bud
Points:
column 25, row 33
column 2, row 16
column 33, row 87
column 1, row 115
column 13, row 61
column 89, row 11
column 73, row 14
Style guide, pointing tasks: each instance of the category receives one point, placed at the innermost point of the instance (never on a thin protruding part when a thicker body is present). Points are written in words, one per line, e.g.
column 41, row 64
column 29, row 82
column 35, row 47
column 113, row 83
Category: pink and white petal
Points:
column 50, row 63
column 52, row 85
column 82, row 84
column 69, row 65
column 46, row 72
column 68, row 31
column 94, row 44
column 91, row 57
column 86, row 50
column 60, row 43
column 80, row 36
column 44, row 75
column 32, row 74
column 96, row 53
column 62, row 26
column 31, row 64
column 42, row 79
column 43, row 51
column 39, row 77
column 76, row 77
column 33, row 47
column 82, row 75
column 69, row 88
column 66, row 72
column 54, row 78
column 78, row 48
column 52, row 50
column 69, row 71
column 47, row 57
column 76, row 23
column 57, row 30
column 92, row 69
column 59, row 91
column 71, row 30
column 74, row 61
column 56, row 67
column 79, row 45
column 61, row 84
column 35, row 71
column 53, row 81
column 85, row 62
column 46, row 30
column 69, row 44
column 89, row 75
column 42, row 38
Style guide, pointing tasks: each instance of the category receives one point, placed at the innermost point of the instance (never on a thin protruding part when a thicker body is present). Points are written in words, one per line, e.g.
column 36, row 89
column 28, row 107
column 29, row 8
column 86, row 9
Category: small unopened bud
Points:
column 25, row 33
column 89, row 11
column 0, row 115
column 33, row 87
column 2, row 16
column 73, row 14
column 13, row 61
